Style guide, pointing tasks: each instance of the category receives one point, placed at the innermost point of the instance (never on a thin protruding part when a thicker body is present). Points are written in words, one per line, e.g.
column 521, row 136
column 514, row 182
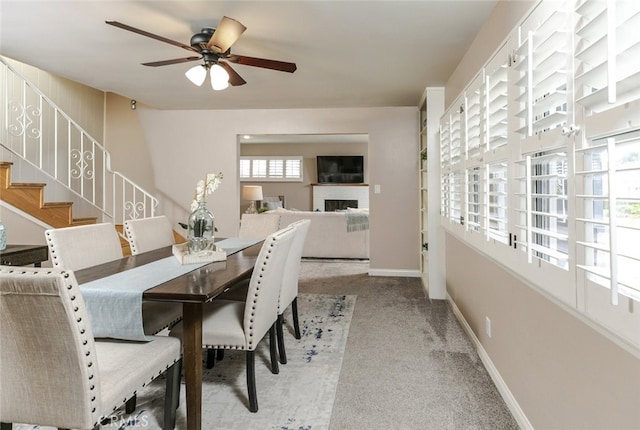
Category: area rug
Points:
column 300, row 397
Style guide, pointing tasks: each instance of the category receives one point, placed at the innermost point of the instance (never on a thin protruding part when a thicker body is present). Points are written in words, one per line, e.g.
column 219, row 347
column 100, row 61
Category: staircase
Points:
column 35, row 131
column 29, row 198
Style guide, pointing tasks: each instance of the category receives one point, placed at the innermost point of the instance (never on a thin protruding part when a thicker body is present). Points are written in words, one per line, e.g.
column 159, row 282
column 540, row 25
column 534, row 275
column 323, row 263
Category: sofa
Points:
column 327, row 238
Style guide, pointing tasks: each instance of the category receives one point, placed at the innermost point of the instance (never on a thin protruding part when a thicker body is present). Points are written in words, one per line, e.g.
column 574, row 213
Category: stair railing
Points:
column 37, row 131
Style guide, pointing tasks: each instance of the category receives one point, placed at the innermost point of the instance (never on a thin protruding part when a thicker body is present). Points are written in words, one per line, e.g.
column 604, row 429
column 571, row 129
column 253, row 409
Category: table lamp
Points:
column 252, row 193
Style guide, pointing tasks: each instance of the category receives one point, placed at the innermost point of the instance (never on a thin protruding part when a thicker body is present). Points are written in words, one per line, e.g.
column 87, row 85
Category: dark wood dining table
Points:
column 193, row 290
column 24, row 255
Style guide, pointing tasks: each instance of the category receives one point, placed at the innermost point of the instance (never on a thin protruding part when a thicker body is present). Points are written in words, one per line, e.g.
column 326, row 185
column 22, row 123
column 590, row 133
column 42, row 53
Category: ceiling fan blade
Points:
column 151, row 35
column 174, row 61
column 227, row 32
column 234, row 78
column 281, row 66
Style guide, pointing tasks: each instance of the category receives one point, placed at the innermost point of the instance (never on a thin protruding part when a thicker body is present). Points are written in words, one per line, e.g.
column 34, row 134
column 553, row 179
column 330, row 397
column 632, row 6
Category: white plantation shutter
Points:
column 456, row 137
column 259, row 169
column 276, row 168
column 496, row 202
column 456, row 193
column 556, row 173
column 473, row 202
column 273, row 169
column 496, row 101
column 474, row 144
column 445, row 164
column 543, row 71
column 293, row 168
column 607, row 70
column 445, row 142
column 609, row 172
column 245, row 169
column 445, row 194
column 543, row 209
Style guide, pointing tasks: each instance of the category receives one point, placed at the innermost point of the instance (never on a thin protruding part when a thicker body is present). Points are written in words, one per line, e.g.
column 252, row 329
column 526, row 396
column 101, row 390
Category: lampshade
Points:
column 252, row 192
column 219, row 78
column 197, row 74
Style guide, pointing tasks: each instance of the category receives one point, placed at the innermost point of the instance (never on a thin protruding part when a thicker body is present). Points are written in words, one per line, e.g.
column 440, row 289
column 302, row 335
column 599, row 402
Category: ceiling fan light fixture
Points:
column 197, row 75
column 219, row 77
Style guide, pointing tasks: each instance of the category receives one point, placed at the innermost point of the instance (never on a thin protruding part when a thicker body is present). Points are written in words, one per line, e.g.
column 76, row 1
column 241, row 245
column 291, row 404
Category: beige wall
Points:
column 124, row 136
column 299, row 195
column 185, row 145
column 562, row 372
column 20, row 229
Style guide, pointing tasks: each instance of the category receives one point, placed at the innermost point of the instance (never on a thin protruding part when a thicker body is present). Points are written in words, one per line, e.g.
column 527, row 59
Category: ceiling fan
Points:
column 213, row 46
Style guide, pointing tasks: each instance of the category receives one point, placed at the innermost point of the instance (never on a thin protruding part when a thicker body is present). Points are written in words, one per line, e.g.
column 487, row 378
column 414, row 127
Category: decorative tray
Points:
column 181, row 252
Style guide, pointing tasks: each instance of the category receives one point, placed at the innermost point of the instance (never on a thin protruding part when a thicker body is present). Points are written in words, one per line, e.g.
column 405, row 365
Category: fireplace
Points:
column 340, row 196
column 338, row 205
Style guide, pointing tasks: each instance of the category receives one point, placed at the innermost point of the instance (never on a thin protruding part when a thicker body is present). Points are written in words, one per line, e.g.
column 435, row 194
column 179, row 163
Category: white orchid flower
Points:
column 206, row 187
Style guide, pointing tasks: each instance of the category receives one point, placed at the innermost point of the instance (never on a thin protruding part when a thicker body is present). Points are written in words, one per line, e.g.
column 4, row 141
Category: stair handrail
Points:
column 117, row 197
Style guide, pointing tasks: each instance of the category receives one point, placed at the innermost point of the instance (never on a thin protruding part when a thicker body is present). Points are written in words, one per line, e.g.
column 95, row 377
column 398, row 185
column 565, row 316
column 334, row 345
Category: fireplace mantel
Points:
column 328, row 184
column 322, row 192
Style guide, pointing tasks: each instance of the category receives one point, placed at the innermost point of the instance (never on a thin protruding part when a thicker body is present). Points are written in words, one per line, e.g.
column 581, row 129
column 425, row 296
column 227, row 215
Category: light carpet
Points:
column 300, row 397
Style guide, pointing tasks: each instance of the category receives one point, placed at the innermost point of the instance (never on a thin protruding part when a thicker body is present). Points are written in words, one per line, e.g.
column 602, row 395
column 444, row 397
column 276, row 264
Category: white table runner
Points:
column 114, row 303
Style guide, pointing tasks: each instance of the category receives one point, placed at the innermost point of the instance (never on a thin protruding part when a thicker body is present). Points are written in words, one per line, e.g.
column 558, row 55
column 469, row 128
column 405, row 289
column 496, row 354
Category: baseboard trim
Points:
column 503, row 389
column 395, row 272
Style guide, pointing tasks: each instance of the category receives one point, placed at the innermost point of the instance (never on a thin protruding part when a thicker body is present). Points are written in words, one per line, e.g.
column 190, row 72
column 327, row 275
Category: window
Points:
column 610, row 221
column 473, row 121
column 456, row 193
column 606, row 54
column 552, row 190
column 543, row 211
column 542, row 68
column 271, row 169
column 473, row 203
column 496, row 187
column 496, row 101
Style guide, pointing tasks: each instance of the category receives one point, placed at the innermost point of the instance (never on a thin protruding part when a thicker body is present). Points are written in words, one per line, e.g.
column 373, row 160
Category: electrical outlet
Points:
column 487, row 326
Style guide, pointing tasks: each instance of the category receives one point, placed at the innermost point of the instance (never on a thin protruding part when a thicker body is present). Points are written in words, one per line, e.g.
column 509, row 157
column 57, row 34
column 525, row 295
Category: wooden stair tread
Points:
column 56, row 204
column 27, row 185
column 29, row 196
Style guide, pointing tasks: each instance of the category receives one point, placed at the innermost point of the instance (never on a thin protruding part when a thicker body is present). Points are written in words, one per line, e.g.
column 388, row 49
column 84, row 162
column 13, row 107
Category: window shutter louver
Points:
column 473, row 121
column 496, row 101
column 609, row 169
column 607, row 71
column 542, row 69
column 543, row 208
column 496, row 186
column 473, row 200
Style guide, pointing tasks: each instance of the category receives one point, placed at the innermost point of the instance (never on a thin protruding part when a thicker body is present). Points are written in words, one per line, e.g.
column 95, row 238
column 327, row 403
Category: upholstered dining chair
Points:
column 288, row 291
column 147, row 234
column 230, row 324
column 75, row 248
column 54, row 373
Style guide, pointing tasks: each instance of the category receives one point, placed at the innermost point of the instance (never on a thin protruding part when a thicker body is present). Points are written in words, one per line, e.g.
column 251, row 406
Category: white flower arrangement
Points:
column 206, row 187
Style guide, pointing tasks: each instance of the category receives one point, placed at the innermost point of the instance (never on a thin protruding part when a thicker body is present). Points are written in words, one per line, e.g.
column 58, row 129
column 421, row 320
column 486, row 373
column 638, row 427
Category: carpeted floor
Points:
column 408, row 363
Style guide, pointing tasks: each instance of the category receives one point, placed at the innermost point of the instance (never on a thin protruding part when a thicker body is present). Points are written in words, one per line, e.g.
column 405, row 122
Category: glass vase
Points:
column 3, row 237
column 200, row 229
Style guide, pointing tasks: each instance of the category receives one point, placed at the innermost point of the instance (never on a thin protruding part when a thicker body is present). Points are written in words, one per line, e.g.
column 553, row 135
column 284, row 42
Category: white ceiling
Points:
column 348, row 53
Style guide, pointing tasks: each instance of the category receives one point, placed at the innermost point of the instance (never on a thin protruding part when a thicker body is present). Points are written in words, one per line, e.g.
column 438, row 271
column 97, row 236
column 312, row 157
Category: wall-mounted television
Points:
column 340, row 169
